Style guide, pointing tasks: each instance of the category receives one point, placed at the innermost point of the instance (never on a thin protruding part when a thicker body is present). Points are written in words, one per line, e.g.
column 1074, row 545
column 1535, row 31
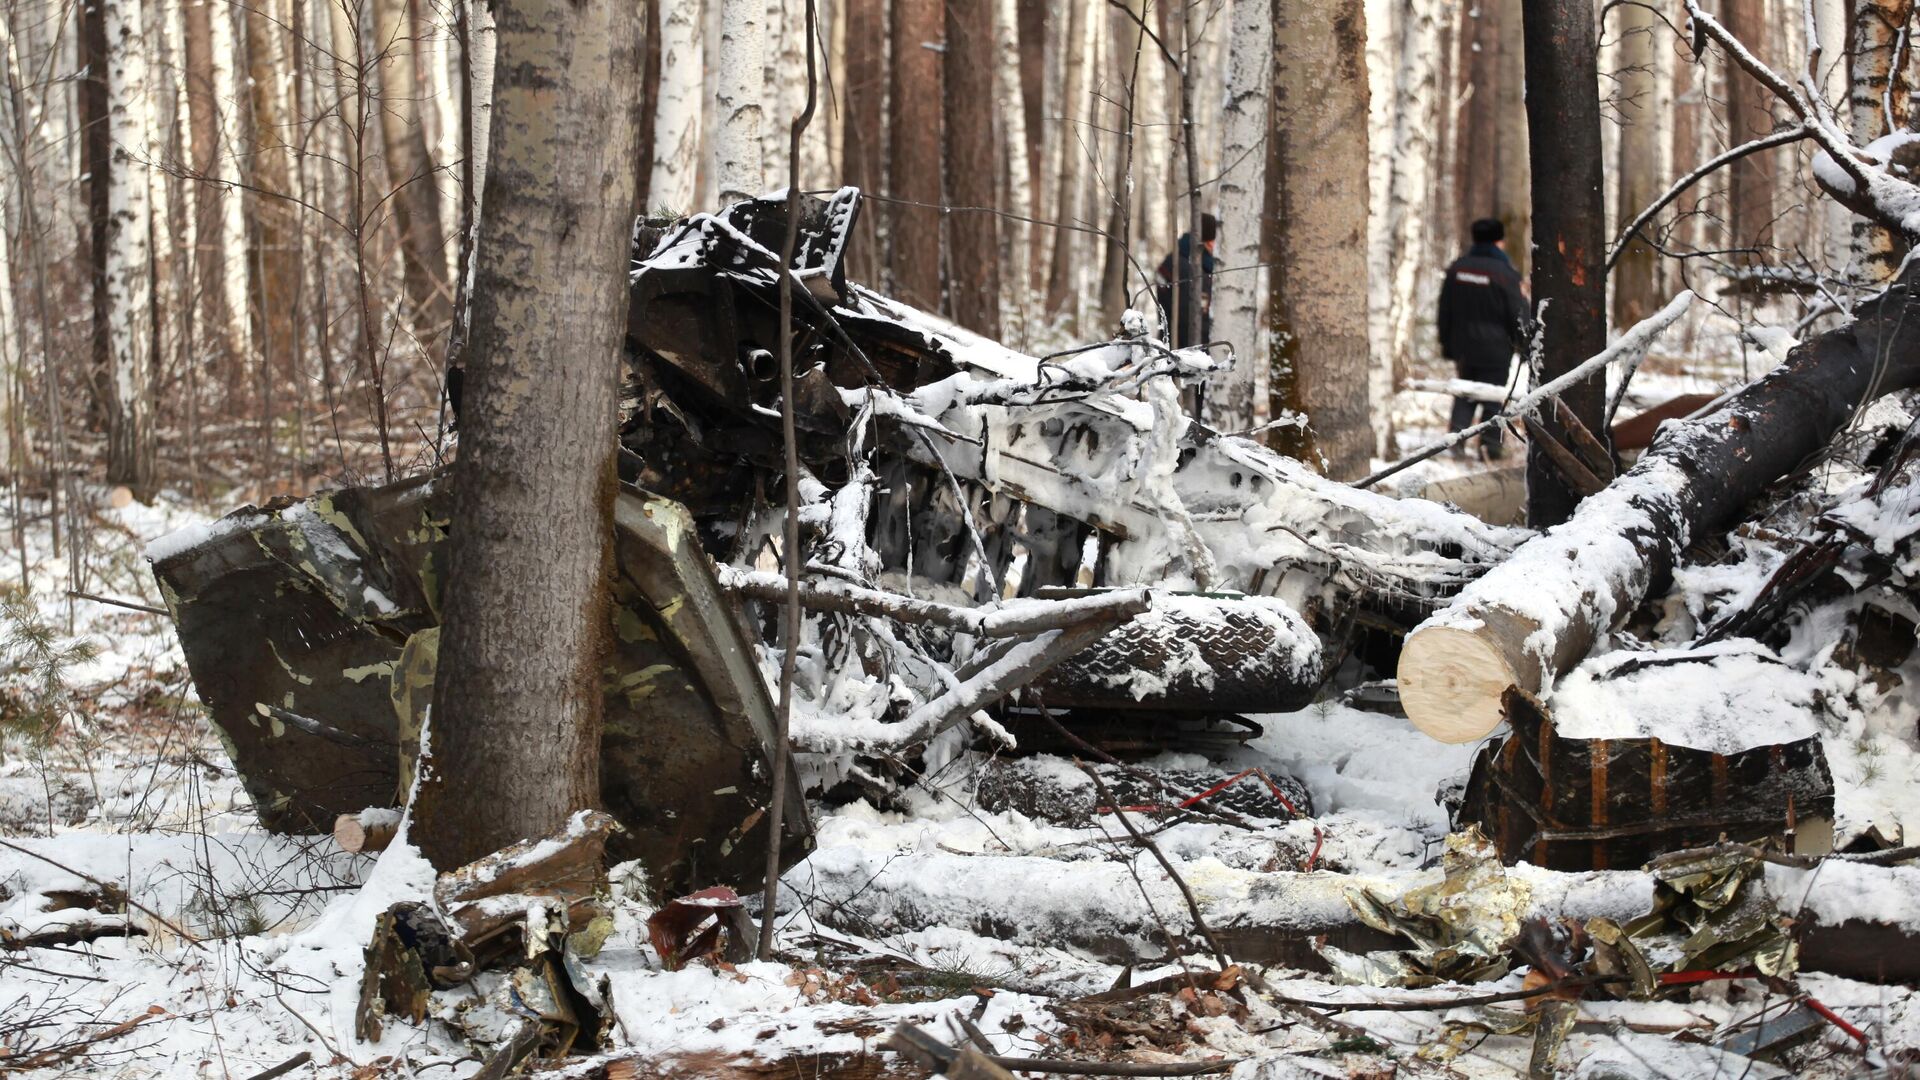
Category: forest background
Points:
column 236, row 235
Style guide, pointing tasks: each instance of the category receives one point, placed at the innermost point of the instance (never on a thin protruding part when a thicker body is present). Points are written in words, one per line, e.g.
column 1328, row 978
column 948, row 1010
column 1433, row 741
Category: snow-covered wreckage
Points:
column 1013, row 560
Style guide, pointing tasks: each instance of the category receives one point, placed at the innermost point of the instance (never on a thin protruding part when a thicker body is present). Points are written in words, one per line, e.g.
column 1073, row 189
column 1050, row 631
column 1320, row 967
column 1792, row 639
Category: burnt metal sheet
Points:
column 310, row 630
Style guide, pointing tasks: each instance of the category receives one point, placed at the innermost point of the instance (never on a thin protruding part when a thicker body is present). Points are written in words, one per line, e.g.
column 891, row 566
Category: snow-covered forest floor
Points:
column 249, row 946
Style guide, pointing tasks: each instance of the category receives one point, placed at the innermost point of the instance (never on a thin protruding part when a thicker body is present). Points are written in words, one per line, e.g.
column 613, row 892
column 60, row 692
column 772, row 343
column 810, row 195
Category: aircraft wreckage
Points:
column 1002, row 550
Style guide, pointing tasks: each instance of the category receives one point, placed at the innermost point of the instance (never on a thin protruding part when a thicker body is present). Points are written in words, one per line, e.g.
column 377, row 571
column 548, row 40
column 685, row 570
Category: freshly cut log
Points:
column 366, row 832
column 1535, row 616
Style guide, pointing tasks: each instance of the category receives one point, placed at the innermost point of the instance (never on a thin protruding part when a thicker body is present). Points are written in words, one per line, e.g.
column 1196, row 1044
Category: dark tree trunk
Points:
column 1033, row 81
column 913, row 153
column 1569, row 222
column 1480, row 122
column 515, row 726
column 973, row 280
column 1750, row 180
column 861, row 133
column 649, row 105
column 96, row 164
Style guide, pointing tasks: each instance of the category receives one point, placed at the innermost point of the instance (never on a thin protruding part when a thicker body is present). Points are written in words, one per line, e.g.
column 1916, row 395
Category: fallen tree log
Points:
column 1282, row 917
column 1535, row 616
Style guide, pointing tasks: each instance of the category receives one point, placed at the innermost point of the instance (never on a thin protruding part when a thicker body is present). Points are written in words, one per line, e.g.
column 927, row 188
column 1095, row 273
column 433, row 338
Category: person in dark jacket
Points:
column 1189, row 296
column 1484, row 317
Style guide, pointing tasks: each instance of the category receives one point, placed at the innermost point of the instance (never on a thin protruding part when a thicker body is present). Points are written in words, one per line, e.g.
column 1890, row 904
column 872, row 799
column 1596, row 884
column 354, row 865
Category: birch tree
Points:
column 1239, row 279
column 1319, row 356
column 676, row 126
column 1877, row 103
column 1016, row 235
column 736, row 143
column 129, row 258
column 516, row 710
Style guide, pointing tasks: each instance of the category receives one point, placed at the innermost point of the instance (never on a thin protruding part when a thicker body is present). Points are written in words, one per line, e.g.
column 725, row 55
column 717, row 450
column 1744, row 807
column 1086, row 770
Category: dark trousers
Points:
column 1465, row 409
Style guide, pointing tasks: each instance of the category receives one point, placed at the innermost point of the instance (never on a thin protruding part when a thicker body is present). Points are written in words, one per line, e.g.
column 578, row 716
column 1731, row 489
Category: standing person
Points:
column 1483, row 319
column 1164, row 281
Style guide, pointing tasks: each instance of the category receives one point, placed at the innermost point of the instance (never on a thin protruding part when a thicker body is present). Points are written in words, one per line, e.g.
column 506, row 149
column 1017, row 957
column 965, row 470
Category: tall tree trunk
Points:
column 1071, row 145
column 1569, row 221
column 1830, row 25
column 97, row 164
column 864, row 134
column 1750, row 180
column 973, row 280
column 1016, row 175
column 1128, row 44
column 129, row 261
column 1032, row 32
column 1414, row 241
column 742, row 61
column 914, row 107
column 270, row 220
column 649, row 104
column 516, row 710
column 1482, row 42
column 1318, row 369
column 1238, row 282
column 676, row 125
column 415, row 198
column 1639, row 178
column 1512, row 193
column 212, row 315
column 1877, row 90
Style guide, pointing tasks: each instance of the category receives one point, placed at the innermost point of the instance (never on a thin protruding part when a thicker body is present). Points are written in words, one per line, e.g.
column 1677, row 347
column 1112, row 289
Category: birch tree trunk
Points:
column 1319, row 359
column 736, row 143
column 1877, row 91
column 516, row 711
column 1239, row 280
column 914, row 108
column 129, row 261
column 1016, row 235
column 1569, row 212
column 973, row 278
column 676, row 126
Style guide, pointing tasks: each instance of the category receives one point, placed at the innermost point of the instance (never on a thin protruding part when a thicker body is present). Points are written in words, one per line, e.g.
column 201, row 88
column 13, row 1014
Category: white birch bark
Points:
column 676, row 131
column 232, row 247
column 736, row 145
column 129, row 260
column 1239, row 284
column 1416, row 117
column 1016, row 290
column 1383, row 25
column 481, row 38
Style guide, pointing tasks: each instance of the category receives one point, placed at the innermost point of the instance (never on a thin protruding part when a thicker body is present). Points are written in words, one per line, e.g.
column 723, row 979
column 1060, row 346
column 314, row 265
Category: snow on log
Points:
column 1539, row 613
column 368, row 831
